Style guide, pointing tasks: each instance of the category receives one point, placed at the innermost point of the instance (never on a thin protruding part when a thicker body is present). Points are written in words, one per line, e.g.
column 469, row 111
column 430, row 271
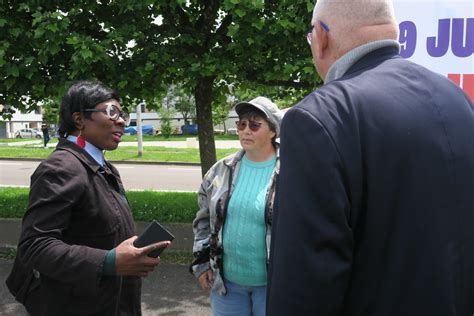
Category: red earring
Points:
column 81, row 142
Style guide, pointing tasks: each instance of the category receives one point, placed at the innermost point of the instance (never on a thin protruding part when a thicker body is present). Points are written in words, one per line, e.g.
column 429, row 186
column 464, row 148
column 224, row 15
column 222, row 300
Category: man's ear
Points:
column 322, row 38
column 78, row 119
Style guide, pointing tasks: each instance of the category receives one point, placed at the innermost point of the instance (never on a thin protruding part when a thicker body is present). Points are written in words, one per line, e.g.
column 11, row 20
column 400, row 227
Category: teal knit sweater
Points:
column 244, row 229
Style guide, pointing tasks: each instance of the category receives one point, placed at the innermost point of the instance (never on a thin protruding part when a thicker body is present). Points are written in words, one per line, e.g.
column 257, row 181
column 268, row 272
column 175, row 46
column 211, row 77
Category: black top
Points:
column 375, row 205
column 77, row 212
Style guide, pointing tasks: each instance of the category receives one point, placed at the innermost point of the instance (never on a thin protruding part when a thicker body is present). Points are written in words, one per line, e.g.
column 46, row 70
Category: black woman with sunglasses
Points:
column 232, row 226
column 76, row 254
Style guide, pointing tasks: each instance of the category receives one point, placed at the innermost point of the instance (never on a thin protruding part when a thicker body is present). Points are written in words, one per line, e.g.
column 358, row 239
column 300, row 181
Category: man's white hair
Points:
column 351, row 19
column 355, row 13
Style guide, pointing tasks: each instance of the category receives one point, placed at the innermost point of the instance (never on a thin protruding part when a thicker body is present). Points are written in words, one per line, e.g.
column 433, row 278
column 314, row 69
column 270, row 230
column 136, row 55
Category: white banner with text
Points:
column 439, row 34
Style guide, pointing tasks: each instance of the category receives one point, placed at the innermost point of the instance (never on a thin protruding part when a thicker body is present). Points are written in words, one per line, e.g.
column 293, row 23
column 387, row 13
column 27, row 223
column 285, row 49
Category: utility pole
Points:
column 139, row 129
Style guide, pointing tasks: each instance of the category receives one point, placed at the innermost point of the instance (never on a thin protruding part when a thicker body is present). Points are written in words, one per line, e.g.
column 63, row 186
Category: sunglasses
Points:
column 113, row 113
column 253, row 125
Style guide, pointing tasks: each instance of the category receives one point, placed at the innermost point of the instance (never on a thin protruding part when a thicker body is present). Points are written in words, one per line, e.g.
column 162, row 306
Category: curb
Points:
column 123, row 162
column 10, row 233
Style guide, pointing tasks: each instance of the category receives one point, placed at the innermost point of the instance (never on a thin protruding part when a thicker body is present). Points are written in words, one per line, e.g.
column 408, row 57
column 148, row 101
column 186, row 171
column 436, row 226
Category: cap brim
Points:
column 242, row 105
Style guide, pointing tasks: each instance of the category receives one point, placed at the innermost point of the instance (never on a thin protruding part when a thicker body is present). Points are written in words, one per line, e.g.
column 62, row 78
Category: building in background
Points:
column 19, row 121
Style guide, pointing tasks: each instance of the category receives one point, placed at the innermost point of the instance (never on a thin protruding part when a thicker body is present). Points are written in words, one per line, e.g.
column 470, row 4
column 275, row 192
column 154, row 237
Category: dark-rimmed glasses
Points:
column 309, row 36
column 112, row 112
column 253, row 125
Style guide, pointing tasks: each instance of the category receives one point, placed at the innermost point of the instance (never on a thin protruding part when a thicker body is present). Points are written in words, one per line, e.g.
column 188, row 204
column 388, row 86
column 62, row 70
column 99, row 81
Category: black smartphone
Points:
column 152, row 234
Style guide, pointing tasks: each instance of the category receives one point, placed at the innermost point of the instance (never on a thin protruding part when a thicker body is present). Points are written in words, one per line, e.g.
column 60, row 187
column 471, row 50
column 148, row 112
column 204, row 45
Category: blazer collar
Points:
column 80, row 153
column 373, row 59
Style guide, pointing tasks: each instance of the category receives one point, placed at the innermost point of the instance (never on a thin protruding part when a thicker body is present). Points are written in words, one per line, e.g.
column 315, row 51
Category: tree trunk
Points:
column 203, row 94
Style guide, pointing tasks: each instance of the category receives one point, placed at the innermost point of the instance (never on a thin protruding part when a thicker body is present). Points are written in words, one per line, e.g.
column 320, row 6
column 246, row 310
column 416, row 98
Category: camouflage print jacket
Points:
column 213, row 198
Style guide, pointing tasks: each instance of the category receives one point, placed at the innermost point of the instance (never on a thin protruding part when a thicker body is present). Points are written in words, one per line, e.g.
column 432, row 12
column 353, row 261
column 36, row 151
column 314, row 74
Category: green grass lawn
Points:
column 157, row 154
column 160, row 138
column 167, row 207
column 163, row 154
column 134, row 138
column 154, row 138
column 25, row 152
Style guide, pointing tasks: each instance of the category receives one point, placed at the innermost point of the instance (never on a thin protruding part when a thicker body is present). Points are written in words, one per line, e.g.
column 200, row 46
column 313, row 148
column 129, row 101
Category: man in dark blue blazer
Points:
column 375, row 203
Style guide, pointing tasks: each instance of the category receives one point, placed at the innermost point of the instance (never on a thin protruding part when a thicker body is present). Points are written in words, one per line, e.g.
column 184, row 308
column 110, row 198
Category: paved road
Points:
column 169, row 290
column 134, row 176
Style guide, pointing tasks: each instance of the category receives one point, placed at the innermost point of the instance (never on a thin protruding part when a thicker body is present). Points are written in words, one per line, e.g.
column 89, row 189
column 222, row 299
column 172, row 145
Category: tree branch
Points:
column 221, row 33
column 170, row 14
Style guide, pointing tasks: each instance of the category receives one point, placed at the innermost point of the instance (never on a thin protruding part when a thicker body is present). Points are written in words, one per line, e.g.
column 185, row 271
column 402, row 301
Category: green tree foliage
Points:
column 220, row 114
column 166, row 115
column 186, row 105
column 139, row 47
column 182, row 100
column 50, row 112
column 283, row 97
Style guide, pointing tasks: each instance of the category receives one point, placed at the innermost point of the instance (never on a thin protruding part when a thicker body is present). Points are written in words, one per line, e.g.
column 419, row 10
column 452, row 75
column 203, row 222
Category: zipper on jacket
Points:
column 226, row 205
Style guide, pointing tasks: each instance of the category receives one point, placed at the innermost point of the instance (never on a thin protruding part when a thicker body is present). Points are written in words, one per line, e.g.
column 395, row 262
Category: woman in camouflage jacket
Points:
column 259, row 126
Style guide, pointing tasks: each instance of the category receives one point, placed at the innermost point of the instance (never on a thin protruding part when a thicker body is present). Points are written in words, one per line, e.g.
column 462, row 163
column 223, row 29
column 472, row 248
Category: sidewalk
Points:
column 169, row 290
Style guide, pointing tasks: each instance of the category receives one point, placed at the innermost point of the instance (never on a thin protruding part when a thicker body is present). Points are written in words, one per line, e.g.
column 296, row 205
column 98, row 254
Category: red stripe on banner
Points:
column 456, row 78
column 468, row 85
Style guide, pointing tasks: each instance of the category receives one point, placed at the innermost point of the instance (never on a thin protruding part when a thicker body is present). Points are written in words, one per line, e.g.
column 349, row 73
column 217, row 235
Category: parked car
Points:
column 146, row 130
column 189, row 129
column 28, row 133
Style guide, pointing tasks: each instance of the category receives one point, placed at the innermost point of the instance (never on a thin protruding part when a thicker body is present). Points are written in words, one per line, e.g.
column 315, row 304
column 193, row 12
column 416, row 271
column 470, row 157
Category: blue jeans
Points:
column 240, row 300
column 45, row 139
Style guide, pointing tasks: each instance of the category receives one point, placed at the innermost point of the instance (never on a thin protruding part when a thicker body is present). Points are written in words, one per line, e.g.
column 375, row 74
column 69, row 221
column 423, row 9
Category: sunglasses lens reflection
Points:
column 254, row 126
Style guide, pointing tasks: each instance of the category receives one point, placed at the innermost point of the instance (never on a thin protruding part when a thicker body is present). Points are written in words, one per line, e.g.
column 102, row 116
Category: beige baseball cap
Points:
column 270, row 109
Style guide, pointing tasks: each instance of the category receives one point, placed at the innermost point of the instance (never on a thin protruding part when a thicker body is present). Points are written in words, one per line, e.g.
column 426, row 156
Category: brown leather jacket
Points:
column 77, row 212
